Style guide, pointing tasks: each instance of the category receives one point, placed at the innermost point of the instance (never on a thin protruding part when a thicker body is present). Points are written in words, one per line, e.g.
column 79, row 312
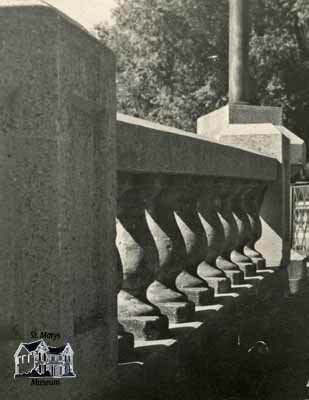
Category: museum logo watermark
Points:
column 45, row 365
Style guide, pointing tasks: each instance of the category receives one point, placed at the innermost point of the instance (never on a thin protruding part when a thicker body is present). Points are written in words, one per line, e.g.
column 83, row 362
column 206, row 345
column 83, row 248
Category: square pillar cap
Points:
column 246, row 120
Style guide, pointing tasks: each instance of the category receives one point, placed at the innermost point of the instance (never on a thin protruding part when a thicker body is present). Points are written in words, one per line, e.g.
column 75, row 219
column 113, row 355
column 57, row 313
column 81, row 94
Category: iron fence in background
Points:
column 300, row 217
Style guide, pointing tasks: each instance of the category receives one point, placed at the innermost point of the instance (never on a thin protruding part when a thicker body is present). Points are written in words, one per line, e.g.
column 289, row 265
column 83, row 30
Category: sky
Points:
column 86, row 12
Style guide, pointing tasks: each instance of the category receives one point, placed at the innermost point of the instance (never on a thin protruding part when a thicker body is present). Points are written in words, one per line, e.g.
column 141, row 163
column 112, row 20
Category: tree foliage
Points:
column 173, row 58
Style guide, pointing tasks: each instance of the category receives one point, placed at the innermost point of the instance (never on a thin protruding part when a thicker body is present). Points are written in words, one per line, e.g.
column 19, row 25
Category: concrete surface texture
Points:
column 181, row 152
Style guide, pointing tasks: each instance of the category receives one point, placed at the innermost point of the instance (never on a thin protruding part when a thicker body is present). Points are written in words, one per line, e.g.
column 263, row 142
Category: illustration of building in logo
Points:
column 37, row 359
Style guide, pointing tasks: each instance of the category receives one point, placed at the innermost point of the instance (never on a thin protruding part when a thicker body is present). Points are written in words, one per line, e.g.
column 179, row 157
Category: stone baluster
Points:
column 213, row 229
column 251, row 203
column 139, row 259
column 195, row 240
column 172, row 255
column 243, row 225
column 225, row 194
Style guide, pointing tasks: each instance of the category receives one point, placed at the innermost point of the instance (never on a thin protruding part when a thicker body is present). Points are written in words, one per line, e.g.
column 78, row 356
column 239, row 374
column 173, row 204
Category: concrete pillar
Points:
column 57, row 203
column 239, row 51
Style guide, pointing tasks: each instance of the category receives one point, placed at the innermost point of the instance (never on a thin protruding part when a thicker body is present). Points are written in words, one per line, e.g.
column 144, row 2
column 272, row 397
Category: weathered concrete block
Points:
column 210, row 125
column 179, row 152
column 57, row 155
column 260, row 118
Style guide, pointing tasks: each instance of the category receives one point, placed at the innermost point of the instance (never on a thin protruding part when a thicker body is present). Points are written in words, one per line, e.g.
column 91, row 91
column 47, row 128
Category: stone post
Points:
column 239, row 51
column 57, row 204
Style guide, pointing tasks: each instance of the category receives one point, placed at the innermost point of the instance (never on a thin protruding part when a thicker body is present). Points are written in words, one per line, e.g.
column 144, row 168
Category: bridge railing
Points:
column 187, row 223
column 180, row 233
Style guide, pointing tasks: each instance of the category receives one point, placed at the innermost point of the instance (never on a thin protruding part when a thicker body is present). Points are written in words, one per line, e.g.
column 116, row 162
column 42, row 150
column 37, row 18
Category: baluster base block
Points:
column 219, row 284
column 260, row 263
column 236, row 277
column 178, row 313
column 231, row 270
column 148, row 327
column 249, row 269
column 199, row 296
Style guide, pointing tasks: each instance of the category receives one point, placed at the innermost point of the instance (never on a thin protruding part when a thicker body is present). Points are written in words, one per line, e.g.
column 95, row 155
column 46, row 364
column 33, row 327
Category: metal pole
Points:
column 239, row 51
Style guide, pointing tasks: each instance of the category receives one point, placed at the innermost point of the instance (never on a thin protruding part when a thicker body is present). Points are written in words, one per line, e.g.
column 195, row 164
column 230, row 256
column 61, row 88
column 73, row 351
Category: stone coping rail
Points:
column 146, row 147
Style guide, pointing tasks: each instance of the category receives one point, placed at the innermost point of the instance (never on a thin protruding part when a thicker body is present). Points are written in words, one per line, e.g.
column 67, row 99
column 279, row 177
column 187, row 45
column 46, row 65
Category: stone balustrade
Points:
column 143, row 246
column 187, row 222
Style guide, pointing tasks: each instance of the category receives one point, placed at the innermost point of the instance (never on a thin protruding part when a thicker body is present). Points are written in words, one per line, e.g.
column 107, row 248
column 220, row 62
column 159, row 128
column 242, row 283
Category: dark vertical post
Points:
column 239, row 51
